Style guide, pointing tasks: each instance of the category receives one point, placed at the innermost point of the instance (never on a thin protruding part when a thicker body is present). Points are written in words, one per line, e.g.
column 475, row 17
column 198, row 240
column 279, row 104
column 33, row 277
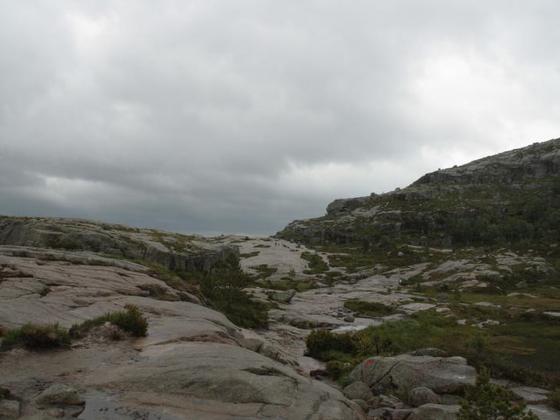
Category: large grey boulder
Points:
column 422, row 395
column 358, row 391
column 435, row 412
column 59, row 394
column 443, row 375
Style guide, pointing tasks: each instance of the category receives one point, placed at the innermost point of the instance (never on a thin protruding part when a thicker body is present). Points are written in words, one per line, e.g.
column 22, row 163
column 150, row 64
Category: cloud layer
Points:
column 218, row 116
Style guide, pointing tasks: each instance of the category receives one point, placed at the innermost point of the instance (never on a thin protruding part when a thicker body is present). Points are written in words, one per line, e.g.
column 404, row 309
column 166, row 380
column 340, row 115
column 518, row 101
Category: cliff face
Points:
column 506, row 198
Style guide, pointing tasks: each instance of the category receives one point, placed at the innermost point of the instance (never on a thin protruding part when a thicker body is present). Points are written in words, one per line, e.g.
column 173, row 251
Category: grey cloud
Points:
column 239, row 116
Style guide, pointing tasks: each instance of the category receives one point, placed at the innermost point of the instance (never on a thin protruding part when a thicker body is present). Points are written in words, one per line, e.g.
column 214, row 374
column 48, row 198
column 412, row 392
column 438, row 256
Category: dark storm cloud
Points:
column 239, row 116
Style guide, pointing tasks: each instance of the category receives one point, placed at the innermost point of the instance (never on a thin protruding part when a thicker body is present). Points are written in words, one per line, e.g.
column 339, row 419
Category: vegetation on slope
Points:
column 523, row 351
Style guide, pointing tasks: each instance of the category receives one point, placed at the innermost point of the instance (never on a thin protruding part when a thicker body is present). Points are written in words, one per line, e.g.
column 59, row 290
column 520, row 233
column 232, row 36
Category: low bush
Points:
column 487, row 401
column 222, row 288
column 368, row 309
column 130, row 320
column 36, row 337
column 316, row 264
column 322, row 343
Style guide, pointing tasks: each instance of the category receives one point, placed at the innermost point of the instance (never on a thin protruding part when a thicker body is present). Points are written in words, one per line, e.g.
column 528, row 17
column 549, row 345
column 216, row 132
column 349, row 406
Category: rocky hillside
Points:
column 512, row 198
column 428, row 303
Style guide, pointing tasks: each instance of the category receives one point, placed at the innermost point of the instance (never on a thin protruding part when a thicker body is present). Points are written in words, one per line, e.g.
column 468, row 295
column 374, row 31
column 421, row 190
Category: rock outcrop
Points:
column 170, row 250
column 509, row 197
column 442, row 375
column 192, row 364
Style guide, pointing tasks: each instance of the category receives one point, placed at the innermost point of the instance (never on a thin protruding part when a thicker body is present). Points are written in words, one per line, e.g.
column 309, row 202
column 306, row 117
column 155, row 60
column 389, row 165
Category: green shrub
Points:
column 130, row 320
column 321, row 342
column 223, row 287
column 36, row 337
column 315, row 262
column 486, row 401
column 371, row 309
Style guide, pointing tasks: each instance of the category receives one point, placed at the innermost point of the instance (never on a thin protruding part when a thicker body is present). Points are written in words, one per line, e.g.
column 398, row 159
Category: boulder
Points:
column 435, row 412
column 9, row 409
column 422, row 395
column 59, row 394
column 531, row 395
column 358, row 391
column 443, row 375
column 282, row 296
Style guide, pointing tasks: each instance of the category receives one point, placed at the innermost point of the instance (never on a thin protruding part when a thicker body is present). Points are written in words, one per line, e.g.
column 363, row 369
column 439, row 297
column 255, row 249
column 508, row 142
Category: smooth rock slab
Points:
column 219, row 377
column 443, row 375
column 531, row 395
column 544, row 412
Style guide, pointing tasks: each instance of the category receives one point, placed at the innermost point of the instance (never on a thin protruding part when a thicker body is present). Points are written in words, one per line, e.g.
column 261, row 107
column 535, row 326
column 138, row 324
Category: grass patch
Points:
column 130, row 320
column 264, row 271
column 368, row 309
column 36, row 337
column 287, row 283
column 316, row 264
column 222, row 288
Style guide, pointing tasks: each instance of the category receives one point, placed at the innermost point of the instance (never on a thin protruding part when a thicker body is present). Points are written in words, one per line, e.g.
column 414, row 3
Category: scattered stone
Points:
column 488, row 323
column 282, row 296
column 377, row 413
column 390, row 401
column 553, row 315
column 358, row 391
column 9, row 409
column 411, row 308
column 59, row 394
column 435, row 412
column 55, row 412
column 422, row 395
column 400, row 413
column 531, row 395
column 363, row 405
column 349, row 318
column 487, row 305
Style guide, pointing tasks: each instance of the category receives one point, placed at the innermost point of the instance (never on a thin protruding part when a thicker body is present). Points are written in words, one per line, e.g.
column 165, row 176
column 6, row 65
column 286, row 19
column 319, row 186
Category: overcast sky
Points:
column 240, row 116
